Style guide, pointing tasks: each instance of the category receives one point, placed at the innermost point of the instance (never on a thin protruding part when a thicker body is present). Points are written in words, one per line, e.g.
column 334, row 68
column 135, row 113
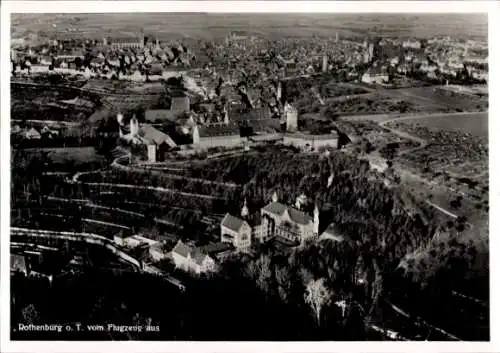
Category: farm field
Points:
column 437, row 98
column 75, row 156
column 452, row 165
column 200, row 25
column 47, row 102
column 472, row 123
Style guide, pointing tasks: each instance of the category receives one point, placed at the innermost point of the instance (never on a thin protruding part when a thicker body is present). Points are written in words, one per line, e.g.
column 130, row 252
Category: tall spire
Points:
column 275, row 197
column 316, row 220
column 244, row 209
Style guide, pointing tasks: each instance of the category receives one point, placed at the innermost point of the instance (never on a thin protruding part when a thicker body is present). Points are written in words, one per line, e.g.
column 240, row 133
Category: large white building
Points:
column 221, row 135
column 275, row 220
column 236, row 231
column 311, row 142
column 291, row 117
column 192, row 259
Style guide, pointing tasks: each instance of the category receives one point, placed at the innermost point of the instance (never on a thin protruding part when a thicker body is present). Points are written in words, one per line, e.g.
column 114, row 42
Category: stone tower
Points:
column 291, row 117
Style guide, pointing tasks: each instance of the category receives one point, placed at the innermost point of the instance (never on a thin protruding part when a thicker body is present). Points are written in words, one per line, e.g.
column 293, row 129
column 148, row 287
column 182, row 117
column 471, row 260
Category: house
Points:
column 236, row 231
column 275, row 220
column 375, row 76
column 154, row 136
column 192, row 259
column 157, row 141
column 279, row 220
column 217, row 135
column 178, row 107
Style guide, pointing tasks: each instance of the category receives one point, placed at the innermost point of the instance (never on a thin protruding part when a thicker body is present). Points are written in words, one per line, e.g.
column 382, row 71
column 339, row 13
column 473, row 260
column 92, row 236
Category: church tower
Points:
column 275, row 197
column 244, row 210
column 316, row 221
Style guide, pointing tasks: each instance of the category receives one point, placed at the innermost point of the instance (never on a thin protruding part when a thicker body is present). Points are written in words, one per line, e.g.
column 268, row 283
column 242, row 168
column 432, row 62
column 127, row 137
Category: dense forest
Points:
column 324, row 290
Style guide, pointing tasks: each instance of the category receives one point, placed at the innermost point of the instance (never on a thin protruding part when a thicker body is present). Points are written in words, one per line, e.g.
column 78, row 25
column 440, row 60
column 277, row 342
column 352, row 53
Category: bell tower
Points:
column 244, row 210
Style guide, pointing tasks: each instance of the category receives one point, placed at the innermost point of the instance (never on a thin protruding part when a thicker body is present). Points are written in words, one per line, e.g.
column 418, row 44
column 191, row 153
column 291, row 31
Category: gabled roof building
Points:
column 275, row 220
column 192, row 259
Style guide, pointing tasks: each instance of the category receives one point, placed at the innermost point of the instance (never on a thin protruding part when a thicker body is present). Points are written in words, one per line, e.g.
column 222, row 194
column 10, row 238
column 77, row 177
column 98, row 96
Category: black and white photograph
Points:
column 247, row 176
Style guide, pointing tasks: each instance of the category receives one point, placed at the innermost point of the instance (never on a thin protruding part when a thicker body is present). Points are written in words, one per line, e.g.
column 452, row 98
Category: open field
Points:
column 451, row 167
column 472, row 123
column 438, row 99
column 207, row 26
column 75, row 156
column 362, row 102
column 46, row 102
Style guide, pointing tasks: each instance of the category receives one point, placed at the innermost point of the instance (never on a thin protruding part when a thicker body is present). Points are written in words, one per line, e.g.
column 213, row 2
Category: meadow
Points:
column 472, row 123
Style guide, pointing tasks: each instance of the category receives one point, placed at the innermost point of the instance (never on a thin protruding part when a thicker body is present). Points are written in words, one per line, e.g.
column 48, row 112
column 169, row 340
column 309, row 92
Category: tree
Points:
column 30, row 314
column 261, row 271
column 283, row 282
column 317, row 296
